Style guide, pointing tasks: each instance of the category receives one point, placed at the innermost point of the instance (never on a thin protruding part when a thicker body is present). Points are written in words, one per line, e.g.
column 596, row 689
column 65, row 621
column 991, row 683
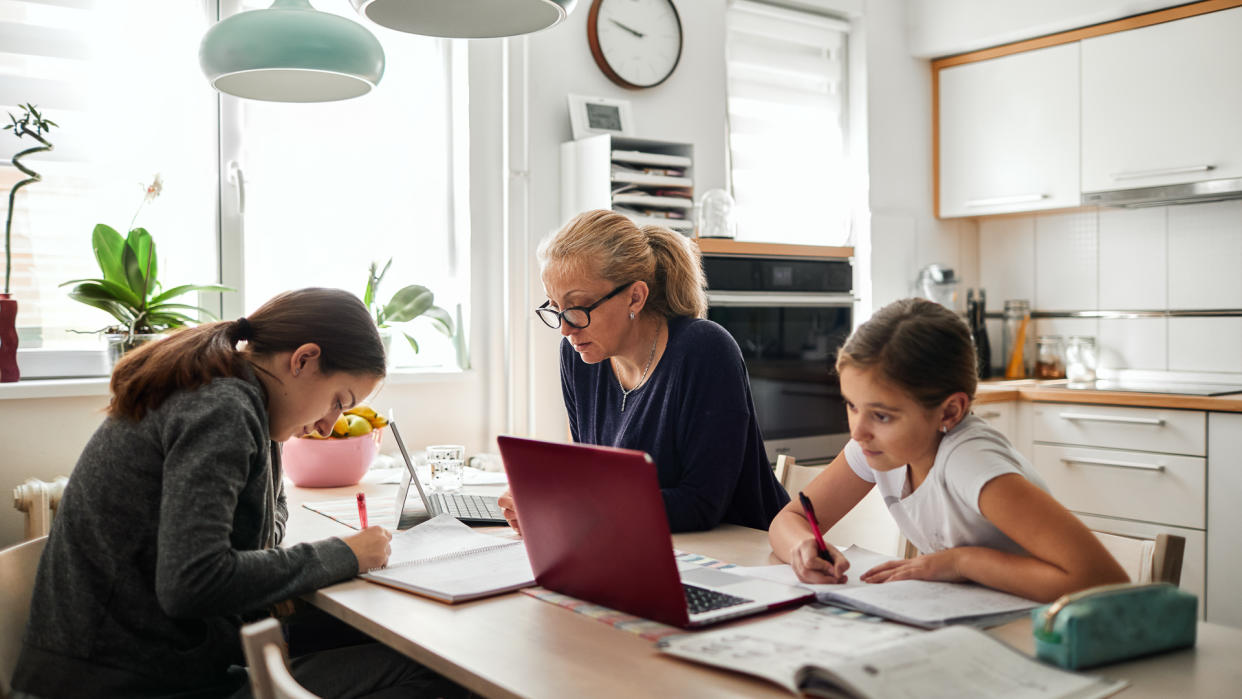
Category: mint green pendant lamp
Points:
column 291, row 52
column 466, row 19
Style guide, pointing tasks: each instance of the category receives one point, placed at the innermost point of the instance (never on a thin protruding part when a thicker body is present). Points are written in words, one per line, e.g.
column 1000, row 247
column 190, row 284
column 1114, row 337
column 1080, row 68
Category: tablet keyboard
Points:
column 701, row 599
column 469, row 506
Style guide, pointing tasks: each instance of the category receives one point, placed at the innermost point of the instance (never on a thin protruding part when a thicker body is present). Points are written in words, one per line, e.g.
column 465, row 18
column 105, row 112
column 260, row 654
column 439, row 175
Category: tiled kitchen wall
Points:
column 1185, row 257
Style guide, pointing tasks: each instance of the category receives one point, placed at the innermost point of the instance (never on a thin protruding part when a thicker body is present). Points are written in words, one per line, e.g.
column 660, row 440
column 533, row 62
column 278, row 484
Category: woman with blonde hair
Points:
column 641, row 368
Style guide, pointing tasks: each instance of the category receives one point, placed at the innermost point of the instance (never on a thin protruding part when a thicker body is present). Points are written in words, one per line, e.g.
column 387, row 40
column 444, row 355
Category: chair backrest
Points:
column 18, row 565
column 268, row 665
column 1147, row 560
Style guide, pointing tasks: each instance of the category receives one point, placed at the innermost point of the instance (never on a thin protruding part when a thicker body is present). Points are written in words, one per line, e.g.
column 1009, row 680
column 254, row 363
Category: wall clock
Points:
column 636, row 43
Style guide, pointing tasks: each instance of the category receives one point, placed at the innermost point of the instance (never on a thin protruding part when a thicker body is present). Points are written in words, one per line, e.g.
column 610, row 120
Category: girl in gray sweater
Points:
column 166, row 538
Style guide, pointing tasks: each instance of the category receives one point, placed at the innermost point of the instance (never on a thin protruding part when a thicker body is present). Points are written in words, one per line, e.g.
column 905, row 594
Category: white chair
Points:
column 1147, row 560
column 18, row 565
column 268, row 665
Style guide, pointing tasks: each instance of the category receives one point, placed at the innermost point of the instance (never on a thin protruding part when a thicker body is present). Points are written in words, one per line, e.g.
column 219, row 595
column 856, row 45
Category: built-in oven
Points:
column 789, row 315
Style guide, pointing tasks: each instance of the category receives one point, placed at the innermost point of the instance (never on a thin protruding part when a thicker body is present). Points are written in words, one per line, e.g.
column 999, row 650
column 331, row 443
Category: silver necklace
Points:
column 626, row 394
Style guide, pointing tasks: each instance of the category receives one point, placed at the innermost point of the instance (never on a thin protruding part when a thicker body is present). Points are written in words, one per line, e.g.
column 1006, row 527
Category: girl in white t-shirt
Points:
column 967, row 500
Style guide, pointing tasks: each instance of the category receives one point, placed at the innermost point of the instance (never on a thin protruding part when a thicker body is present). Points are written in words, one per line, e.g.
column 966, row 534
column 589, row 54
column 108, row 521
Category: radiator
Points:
column 39, row 499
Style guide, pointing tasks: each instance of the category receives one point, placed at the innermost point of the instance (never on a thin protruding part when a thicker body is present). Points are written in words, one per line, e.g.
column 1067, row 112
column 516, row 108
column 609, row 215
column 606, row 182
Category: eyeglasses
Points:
column 576, row 317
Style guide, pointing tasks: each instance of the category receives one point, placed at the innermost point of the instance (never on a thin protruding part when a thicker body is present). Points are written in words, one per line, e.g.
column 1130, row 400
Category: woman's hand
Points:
column 941, row 566
column 505, row 501
column 810, row 568
column 371, row 547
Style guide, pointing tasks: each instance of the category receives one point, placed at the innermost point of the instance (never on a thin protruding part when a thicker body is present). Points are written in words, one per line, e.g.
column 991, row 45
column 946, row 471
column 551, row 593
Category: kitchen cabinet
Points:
column 1008, row 131
column 1131, row 471
column 1001, row 416
column 1224, row 505
column 1160, row 104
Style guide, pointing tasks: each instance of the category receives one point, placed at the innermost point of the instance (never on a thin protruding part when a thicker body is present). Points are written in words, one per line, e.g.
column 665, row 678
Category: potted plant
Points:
column 30, row 124
column 129, row 289
column 408, row 303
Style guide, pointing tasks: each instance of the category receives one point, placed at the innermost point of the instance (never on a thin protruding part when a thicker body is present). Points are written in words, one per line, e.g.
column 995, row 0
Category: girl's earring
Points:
column 944, row 429
column 631, row 315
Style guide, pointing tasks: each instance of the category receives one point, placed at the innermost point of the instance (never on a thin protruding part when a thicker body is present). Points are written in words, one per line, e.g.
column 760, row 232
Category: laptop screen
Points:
column 410, row 476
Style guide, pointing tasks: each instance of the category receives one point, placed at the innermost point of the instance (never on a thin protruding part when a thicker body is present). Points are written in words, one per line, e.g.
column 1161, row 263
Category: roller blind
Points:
column 787, row 126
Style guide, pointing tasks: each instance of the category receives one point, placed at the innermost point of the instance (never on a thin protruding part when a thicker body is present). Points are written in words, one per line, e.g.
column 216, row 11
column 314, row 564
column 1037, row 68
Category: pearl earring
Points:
column 631, row 315
column 944, row 429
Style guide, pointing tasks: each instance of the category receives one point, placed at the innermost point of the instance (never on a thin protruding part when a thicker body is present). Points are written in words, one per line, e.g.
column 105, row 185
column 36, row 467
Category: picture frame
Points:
column 599, row 115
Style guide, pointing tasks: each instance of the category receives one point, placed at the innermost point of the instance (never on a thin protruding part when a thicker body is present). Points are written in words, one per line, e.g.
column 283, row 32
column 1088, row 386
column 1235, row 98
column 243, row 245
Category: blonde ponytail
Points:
column 610, row 245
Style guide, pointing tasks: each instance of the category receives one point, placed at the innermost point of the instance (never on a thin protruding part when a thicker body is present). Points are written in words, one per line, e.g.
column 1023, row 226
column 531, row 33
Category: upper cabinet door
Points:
column 1163, row 104
column 1008, row 130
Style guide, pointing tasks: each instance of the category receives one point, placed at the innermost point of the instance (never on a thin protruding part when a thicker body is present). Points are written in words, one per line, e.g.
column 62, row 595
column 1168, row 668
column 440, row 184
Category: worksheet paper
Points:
column 919, row 602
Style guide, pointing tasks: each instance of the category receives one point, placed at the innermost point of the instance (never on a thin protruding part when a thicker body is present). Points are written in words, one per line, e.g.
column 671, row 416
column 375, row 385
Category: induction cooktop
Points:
column 1185, row 389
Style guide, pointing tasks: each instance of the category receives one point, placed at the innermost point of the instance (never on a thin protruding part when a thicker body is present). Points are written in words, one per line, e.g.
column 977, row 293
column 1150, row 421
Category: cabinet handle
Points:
column 1014, row 199
column 989, row 415
column 1115, row 464
column 1139, row 174
column 1154, row 421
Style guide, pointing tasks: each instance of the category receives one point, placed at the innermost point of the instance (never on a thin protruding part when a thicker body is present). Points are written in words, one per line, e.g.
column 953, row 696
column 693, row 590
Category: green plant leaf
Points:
column 170, row 320
column 408, row 303
column 443, row 321
column 185, row 289
column 172, row 307
column 117, row 292
column 108, row 246
column 134, row 277
column 95, row 296
column 412, row 341
column 144, row 250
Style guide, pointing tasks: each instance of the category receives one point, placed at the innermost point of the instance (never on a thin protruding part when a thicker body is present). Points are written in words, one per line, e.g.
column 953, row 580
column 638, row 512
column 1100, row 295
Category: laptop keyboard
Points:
column 701, row 599
column 468, row 506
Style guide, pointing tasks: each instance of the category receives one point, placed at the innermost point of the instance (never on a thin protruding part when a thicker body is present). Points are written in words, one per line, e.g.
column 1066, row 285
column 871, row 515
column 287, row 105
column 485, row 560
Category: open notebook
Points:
column 816, row 653
column 917, row 602
column 448, row 561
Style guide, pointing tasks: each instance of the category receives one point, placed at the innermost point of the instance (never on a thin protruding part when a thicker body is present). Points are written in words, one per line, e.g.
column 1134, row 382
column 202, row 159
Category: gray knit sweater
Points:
column 157, row 552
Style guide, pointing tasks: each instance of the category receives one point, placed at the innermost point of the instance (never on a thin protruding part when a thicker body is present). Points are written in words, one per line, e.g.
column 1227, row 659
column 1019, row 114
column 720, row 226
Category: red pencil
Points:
column 362, row 509
column 814, row 522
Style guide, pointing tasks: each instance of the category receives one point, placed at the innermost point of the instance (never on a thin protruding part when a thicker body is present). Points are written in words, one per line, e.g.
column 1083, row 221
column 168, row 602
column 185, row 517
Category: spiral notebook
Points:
column 448, row 561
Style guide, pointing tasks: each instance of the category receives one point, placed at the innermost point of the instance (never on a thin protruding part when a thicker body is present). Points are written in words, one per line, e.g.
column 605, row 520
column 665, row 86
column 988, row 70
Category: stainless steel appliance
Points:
column 790, row 316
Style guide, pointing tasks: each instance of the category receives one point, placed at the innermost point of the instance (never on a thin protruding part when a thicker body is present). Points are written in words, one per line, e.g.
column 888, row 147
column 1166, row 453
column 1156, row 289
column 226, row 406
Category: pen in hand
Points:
column 362, row 510
column 809, row 511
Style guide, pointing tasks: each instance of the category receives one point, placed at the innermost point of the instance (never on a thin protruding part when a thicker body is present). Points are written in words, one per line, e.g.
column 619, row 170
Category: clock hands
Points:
column 635, row 32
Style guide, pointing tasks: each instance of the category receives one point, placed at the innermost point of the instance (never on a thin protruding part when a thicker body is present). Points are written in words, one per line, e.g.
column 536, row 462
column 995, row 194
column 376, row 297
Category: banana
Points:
column 363, row 411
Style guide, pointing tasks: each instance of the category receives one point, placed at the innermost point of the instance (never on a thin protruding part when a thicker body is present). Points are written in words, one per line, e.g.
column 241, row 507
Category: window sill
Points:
column 98, row 386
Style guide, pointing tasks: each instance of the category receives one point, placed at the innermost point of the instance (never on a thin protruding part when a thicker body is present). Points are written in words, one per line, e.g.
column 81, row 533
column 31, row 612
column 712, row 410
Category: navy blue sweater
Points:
column 696, row 419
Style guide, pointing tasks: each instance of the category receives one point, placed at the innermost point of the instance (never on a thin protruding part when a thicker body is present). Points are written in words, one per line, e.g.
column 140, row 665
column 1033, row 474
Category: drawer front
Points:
column 1194, row 559
column 1157, row 488
column 1139, row 429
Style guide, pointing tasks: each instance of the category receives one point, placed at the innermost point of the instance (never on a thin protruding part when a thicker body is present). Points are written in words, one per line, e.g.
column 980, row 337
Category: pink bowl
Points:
column 329, row 463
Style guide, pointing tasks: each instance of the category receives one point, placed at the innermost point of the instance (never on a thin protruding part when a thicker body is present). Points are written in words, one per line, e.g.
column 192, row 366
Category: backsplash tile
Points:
column 1205, row 344
column 1134, row 343
column 1067, row 261
column 1134, row 259
column 1006, row 252
column 1205, row 255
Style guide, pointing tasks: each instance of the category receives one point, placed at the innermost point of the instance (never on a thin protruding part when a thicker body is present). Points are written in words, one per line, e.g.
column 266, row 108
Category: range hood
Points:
column 1185, row 193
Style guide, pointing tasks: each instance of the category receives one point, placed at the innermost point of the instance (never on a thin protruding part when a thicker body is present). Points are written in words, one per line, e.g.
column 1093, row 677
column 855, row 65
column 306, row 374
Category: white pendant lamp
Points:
column 291, row 52
column 466, row 19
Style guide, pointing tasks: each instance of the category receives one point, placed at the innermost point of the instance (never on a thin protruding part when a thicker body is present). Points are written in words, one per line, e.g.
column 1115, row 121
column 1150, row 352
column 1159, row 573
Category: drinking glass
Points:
column 446, row 462
column 1080, row 360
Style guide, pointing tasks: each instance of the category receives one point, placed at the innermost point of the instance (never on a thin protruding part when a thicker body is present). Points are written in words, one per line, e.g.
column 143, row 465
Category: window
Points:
column 787, row 123
column 121, row 80
column 327, row 188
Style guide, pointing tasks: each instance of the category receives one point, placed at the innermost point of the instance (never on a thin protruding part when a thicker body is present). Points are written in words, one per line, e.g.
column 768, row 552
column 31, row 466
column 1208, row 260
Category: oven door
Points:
column 790, row 343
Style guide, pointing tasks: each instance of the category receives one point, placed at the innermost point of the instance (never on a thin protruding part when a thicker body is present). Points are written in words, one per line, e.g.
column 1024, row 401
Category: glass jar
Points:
column 1080, row 360
column 1017, row 340
column 1049, row 357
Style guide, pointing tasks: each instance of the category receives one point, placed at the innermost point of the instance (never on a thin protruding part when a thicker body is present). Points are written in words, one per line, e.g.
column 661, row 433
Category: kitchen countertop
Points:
column 1047, row 391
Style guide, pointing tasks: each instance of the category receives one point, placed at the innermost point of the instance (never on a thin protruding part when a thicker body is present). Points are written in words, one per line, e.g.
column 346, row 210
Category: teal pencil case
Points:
column 1113, row 622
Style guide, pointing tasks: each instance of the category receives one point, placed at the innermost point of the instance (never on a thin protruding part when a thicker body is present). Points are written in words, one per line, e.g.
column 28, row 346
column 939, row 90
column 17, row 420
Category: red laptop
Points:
column 594, row 525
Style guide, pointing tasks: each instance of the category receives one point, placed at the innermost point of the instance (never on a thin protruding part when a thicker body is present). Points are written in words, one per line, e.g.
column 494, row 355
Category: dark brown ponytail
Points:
column 334, row 319
column 920, row 346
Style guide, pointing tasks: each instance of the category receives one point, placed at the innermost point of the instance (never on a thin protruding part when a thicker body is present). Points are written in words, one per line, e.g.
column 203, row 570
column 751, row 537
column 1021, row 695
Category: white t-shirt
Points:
column 943, row 512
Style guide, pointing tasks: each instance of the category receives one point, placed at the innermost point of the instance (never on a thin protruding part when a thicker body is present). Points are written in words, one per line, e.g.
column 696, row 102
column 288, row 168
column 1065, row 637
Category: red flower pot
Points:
column 8, row 339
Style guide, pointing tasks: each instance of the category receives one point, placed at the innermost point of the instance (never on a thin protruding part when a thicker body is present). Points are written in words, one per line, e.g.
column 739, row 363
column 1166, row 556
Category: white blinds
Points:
column 121, row 80
column 787, row 107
